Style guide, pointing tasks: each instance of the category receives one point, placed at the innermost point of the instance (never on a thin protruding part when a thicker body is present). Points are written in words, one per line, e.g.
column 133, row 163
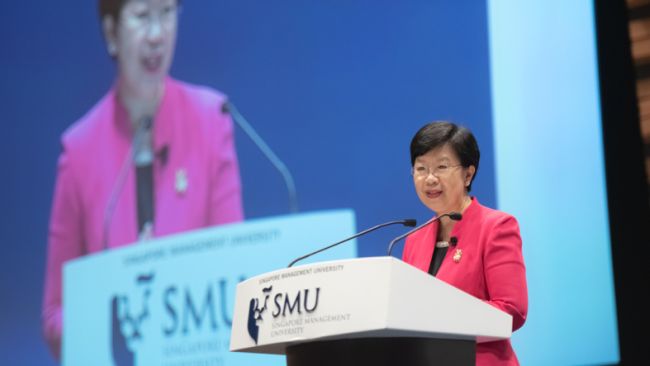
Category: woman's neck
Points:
column 446, row 225
column 139, row 105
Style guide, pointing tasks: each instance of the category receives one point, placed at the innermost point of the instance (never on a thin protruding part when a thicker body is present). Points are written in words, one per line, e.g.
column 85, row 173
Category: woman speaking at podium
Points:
column 154, row 156
column 480, row 254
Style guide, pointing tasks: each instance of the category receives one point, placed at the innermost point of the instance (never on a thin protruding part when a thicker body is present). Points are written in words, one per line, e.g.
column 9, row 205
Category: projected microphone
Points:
column 137, row 150
column 229, row 107
column 405, row 222
column 143, row 160
column 452, row 215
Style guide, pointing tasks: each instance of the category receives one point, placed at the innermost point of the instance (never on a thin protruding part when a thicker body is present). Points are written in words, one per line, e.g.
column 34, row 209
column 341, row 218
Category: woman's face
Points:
column 143, row 41
column 440, row 181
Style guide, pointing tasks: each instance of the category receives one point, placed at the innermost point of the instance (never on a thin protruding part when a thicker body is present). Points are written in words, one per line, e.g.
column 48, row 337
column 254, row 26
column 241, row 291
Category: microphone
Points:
column 228, row 107
column 405, row 222
column 452, row 215
column 144, row 154
column 143, row 151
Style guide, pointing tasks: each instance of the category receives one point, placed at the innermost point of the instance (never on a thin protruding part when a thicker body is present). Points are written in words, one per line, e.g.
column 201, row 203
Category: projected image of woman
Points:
column 154, row 156
column 481, row 254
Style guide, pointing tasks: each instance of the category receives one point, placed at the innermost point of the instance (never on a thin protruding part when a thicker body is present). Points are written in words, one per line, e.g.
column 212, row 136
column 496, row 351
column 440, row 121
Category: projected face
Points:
column 440, row 181
column 143, row 40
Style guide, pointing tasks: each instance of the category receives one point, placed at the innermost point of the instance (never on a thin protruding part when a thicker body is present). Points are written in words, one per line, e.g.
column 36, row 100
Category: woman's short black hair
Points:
column 110, row 7
column 437, row 134
column 113, row 8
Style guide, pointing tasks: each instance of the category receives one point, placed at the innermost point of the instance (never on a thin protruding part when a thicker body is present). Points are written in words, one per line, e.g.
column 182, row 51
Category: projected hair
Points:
column 113, row 7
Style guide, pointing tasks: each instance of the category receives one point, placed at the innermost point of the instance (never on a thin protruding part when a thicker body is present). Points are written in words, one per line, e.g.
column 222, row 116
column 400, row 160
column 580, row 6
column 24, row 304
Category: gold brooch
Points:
column 181, row 181
column 457, row 255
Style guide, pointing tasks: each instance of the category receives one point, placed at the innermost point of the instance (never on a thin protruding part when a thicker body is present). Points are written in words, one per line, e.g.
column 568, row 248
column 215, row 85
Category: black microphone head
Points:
column 455, row 216
column 453, row 240
column 409, row 222
column 225, row 107
column 163, row 154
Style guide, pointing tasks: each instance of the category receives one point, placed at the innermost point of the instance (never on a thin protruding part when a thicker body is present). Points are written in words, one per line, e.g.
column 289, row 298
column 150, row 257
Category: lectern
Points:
column 365, row 311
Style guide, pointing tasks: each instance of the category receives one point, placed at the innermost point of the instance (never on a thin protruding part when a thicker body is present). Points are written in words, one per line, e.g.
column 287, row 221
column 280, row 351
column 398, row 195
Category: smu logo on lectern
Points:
column 284, row 304
column 126, row 323
column 255, row 312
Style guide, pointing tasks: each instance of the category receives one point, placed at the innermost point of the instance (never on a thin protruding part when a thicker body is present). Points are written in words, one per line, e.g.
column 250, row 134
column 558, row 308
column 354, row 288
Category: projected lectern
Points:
column 169, row 301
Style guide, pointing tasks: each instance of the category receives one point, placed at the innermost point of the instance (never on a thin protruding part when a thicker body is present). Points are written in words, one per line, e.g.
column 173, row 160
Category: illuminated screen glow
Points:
column 337, row 89
column 550, row 175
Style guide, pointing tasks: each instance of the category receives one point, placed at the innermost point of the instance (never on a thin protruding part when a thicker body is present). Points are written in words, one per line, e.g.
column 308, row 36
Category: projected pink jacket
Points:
column 196, row 181
column 489, row 265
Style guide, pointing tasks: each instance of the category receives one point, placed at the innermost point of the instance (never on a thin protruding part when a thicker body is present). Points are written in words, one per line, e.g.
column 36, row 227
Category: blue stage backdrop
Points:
column 337, row 89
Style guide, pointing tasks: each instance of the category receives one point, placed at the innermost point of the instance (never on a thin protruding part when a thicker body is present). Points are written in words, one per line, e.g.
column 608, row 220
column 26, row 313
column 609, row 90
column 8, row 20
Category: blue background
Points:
column 337, row 89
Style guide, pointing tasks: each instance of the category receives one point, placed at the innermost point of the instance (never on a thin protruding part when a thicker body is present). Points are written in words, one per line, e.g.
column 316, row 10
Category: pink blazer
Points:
column 196, row 181
column 489, row 265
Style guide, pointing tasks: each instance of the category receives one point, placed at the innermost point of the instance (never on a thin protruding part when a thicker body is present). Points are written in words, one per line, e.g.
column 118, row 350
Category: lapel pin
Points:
column 181, row 181
column 458, row 255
